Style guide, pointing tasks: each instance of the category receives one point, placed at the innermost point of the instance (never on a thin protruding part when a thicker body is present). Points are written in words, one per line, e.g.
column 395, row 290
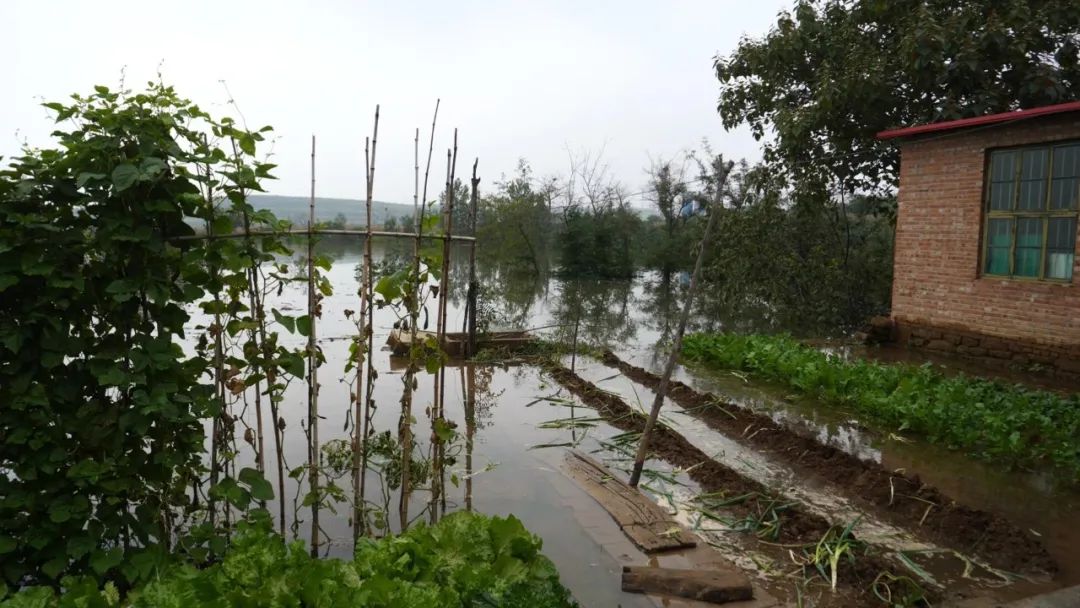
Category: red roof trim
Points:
column 1072, row 106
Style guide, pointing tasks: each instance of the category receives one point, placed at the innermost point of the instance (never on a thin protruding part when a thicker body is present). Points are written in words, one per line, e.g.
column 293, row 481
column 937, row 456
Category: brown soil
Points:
column 798, row 527
column 901, row 499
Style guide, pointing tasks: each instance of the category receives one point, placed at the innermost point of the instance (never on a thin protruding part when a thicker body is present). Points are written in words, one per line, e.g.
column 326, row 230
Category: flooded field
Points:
column 516, row 421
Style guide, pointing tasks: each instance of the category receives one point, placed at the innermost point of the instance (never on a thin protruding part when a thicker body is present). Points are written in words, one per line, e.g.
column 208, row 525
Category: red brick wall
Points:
column 938, row 281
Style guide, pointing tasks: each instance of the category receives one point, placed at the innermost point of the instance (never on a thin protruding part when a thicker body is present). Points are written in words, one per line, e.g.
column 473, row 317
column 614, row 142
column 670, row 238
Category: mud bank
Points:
column 798, row 527
column 901, row 499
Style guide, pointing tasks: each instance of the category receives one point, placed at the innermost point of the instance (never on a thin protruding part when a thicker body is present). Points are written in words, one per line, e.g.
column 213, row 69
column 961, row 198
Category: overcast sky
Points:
column 518, row 79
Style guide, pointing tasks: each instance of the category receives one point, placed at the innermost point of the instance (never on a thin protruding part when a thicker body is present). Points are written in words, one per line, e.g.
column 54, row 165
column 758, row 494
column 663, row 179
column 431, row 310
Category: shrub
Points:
column 101, row 411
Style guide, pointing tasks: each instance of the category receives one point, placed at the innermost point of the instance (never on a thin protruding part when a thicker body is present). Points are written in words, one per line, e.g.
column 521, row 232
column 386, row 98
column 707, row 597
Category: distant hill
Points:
column 295, row 208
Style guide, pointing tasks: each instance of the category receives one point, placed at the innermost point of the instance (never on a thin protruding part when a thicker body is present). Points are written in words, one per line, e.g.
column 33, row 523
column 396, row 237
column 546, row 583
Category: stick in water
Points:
column 723, row 169
column 313, row 367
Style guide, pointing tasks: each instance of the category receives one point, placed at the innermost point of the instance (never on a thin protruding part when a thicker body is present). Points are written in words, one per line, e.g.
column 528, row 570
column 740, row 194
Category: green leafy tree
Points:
column 340, row 222
column 101, row 431
column 598, row 244
column 832, row 73
column 462, row 223
column 819, row 266
column 599, row 230
column 515, row 222
column 667, row 247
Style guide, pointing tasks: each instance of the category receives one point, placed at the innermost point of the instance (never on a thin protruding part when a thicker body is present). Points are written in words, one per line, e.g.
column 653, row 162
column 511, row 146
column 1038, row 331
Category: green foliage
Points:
column 339, row 222
column 465, row 560
column 598, row 243
column 101, row 430
column 462, row 220
column 1000, row 422
column 819, row 267
column 514, row 224
column 833, row 73
column 797, row 261
column 665, row 244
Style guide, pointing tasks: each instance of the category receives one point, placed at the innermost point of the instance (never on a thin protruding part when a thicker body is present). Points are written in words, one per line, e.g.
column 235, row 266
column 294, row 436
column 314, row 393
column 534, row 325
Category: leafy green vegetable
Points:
column 466, row 560
column 986, row 418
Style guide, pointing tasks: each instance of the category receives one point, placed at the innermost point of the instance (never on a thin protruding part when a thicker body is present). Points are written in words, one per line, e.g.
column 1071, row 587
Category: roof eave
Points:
column 979, row 121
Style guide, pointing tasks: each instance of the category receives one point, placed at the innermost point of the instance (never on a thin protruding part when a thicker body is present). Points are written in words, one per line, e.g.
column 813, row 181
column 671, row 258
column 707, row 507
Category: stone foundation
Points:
column 1055, row 359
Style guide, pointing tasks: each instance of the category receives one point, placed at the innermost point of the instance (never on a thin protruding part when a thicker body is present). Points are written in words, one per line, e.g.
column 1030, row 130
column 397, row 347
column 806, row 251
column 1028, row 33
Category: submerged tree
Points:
column 667, row 248
column 515, row 222
column 599, row 228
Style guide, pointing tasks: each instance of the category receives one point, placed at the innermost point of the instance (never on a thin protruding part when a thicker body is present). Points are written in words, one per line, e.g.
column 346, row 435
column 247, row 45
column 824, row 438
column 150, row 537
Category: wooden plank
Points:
column 454, row 342
column 713, row 586
column 649, row 526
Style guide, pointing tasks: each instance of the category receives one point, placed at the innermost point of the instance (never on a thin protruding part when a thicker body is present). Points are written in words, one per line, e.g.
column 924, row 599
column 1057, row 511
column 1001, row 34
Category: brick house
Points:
column 986, row 259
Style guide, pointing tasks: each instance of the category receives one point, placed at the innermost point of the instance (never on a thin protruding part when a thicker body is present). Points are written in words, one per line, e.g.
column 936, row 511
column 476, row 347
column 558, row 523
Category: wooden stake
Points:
column 724, row 169
column 470, row 305
column 313, row 366
column 405, row 420
column 573, row 347
column 440, row 333
column 431, row 148
column 470, row 429
column 368, row 309
column 420, row 206
column 219, row 381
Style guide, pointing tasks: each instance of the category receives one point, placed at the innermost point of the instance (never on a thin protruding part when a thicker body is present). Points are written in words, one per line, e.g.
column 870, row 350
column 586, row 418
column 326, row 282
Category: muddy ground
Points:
column 902, row 499
column 799, row 529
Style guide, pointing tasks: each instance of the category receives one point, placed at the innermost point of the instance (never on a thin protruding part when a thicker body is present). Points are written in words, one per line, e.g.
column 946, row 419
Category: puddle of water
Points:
column 506, row 477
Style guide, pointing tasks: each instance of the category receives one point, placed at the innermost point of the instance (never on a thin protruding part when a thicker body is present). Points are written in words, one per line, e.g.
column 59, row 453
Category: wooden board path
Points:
column 647, row 525
column 713, row 586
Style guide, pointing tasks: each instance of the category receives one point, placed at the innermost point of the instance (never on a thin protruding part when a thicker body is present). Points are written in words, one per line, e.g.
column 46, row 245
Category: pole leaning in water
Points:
column 722, row 171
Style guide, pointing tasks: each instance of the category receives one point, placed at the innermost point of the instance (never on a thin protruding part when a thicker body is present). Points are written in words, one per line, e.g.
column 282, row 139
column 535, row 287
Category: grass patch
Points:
column 1005, row 423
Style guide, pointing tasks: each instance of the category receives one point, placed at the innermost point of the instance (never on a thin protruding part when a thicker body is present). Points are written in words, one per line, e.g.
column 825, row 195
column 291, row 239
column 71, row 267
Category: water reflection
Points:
column 495, row 415
column 601, row 311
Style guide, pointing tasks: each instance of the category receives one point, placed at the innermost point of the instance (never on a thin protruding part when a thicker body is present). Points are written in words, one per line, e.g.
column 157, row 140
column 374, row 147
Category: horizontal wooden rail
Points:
column 330, row 231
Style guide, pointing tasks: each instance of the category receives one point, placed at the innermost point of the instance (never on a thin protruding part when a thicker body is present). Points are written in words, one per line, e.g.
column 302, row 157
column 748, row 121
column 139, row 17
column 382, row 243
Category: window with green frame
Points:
column 1032, row 197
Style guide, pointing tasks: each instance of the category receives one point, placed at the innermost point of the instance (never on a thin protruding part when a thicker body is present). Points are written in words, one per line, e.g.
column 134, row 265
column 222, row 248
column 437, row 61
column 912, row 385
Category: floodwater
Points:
column 1035, row 500
column 501, row 465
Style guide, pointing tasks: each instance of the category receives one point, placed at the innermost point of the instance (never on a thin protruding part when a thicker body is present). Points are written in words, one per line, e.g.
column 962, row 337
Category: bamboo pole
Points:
column 573, row 347
column 257, row 312
column 219, row 367
column 313, row 366
column 355, row 399
column 414, row 313
column 470, row 429
column 360, row 513
column 723, row 170
column 405, row 420
column 437, row 495
column 320, row 231
column 369, row 332
column 470, row 305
